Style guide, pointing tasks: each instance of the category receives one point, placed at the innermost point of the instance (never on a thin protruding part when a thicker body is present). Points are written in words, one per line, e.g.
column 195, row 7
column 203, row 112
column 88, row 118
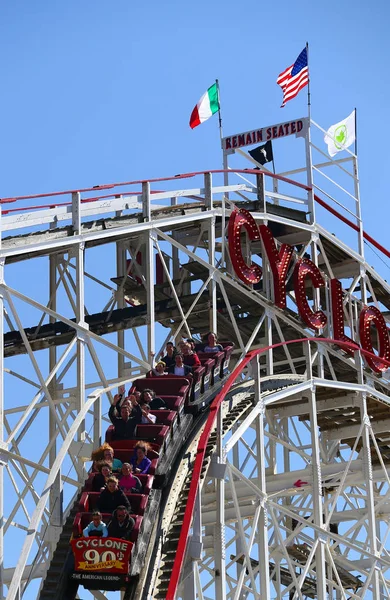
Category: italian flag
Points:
column 207, row 106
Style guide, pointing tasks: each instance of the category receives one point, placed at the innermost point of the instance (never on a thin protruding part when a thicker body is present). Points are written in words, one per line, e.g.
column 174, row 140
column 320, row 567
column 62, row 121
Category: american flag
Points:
column 294, row 78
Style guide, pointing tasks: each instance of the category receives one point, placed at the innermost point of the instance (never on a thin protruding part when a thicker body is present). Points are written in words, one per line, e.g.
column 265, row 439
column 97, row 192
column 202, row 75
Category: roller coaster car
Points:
column 228, row 348
column 82, row 519
column 146, row 481
column 89, row 502
column 175, row 391
column 170, row 385
column 217, row 358
column 164, row 417
column 158, row 434
column 124, row 452
column 208, row 366
column 197, row 381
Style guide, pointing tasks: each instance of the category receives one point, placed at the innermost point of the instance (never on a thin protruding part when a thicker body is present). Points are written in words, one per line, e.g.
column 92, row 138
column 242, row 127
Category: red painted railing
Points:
column 184, row 176
column 204, row 439
column 366, row 236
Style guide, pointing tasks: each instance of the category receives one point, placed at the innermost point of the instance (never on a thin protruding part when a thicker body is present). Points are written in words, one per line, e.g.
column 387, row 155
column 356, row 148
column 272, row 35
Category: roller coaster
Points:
column 269, row 473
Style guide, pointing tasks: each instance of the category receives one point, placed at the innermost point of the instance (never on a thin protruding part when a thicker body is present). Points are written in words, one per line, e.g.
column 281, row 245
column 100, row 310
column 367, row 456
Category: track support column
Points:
column 149, row 270
column 261, row 466
column 2, row 445
column 211, row 236
column 194, row 553
column 55, row 500
column 368, row 476
column 121, row 271
column 80, row 310
column 220, row 547
column 317, row 485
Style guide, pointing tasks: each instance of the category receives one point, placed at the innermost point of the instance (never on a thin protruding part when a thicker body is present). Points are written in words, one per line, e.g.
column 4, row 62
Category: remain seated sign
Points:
column 97, row 554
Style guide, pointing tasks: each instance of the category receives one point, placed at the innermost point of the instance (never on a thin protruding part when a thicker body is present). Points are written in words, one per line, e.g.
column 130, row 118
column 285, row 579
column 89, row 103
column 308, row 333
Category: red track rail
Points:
column 204, row 439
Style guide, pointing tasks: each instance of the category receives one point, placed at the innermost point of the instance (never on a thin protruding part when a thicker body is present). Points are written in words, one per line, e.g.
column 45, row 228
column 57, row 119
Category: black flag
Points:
column 262, row 154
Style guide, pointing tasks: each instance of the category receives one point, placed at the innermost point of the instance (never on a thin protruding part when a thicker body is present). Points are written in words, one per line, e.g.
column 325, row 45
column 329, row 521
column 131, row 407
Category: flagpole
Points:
column 219, row 111
column 308, row 84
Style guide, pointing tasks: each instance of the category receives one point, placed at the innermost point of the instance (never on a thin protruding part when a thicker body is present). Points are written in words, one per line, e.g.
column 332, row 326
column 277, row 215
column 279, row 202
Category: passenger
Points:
column 179, row 368
column 154, row 401
column 159, row 369
column 190, row 358
column 121, row 524
column 124, row 426
column 100, row 479
column 101, row 454
column 140, row 462
column 147, row 417
column 137, row 395
column 212, row 344
column 112, row 497
column 169, row 357
column 108, row 457
column 129, row 483
column 192, row 344
column 96, row 528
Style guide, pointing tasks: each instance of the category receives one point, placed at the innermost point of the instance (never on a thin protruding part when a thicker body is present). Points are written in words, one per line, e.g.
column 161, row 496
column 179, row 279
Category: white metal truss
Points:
column 57, row 266
column 318, row 528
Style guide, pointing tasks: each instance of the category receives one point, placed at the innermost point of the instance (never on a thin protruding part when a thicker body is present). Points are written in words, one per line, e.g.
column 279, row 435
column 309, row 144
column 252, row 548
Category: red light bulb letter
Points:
column 242, row 218
column 306, row 268
column 369, row 316
column 338, row 313
column 279, row 263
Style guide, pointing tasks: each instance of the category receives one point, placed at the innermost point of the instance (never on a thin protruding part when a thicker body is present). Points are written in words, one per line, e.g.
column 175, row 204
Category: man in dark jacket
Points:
column 121, row 524
column 112, row 497
column 127, row 422
column 179, row 368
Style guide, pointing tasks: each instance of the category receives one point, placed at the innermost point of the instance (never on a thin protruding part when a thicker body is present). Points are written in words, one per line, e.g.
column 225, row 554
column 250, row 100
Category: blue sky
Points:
column 95, row 92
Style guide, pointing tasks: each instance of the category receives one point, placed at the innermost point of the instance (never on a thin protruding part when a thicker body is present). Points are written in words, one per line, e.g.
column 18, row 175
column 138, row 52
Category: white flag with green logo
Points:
column 341, row 136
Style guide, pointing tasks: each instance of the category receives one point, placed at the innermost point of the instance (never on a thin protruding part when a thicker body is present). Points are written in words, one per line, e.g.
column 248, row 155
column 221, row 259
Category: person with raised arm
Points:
column 159, row 369
column 130, row 417
column 147, row 417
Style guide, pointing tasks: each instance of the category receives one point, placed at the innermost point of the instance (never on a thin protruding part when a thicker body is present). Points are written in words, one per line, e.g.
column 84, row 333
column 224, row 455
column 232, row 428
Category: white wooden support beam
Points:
column 2, row 464
column 220, row 547
column 211, row 251
column 261, row 467
column 149, row 270
column 347, row 432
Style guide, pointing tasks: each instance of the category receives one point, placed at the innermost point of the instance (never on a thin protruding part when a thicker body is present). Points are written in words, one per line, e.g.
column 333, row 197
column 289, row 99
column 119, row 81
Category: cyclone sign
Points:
column 101, row 554
column 305, row 272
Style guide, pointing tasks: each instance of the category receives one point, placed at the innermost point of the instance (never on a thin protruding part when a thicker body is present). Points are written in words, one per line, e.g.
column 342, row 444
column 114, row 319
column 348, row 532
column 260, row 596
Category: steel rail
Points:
column 204, row 439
